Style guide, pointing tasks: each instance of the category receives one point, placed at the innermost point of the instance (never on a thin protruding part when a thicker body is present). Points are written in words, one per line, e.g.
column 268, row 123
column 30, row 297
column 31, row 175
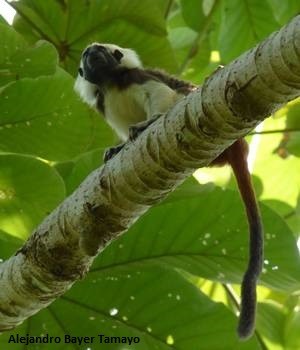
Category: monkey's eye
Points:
column 118, row 55
column 80, row 71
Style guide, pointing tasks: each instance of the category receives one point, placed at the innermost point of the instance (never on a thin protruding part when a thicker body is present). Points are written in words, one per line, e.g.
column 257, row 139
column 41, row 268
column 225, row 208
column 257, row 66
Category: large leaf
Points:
column 207, row 236
column 44, row 117
column 193, row 14
column 244, row 23
column 292, row 140
column 291, row 330
column 70, row 26
column 9, row 244
column 290, row 214
column 158, row 306
column 279, row 328
column 83, row 166
column 18, row 60
column 29, row 190
column 284, row 10
column 40, row 112
column 270, row 321
column 11, row 42
column 283, row 181
column 191, row 43
column 154, row 50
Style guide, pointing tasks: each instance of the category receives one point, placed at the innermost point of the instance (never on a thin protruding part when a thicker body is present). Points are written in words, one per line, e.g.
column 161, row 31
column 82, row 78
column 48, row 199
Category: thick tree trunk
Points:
column 230, row 103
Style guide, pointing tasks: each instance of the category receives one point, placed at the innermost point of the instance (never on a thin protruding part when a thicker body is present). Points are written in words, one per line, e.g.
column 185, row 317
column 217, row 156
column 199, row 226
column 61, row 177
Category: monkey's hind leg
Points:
column 137, row 129
column 112, row 151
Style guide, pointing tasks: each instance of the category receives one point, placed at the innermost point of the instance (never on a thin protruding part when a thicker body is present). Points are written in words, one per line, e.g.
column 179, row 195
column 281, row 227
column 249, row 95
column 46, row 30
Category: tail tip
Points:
column 245, row 331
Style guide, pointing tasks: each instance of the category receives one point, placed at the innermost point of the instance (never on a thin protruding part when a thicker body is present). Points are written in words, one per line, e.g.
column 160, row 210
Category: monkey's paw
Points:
column 137, row 129
column 134, row 131
column 111, row 152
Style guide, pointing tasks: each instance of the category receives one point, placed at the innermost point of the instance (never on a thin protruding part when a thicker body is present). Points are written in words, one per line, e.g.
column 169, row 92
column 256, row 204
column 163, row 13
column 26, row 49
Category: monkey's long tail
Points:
column 239, row 165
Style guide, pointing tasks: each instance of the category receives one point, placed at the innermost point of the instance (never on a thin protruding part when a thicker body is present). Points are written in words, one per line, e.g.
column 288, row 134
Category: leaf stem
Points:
column 200, row 37
column 275, row 131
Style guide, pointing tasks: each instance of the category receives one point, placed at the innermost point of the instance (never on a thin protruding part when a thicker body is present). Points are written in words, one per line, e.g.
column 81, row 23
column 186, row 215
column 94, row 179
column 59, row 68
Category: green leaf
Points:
column 192, row 12
column 194, row 56
column 206, row 236
column 288, row 213
column 189, row 189
column 11, row 42
column 64, row 168
column 198, row 66
column 244, row 23
column 182, row 38
column 270, row 323
column 293, row 143
column 2, row 20
column 48, row 18
column 83, row 166
column 284, row 10
column 291, row 140
column 9, row 244
column 31, row 62
column 292, row 117
column 282, row 175
column 29, row 190
column 291, row 330
column 18, row 61
column 71, row 26
column 45, row 118
column 191, row 44
column 154, row 50
column 104, row 13
column 158, row 306
column 279, row 326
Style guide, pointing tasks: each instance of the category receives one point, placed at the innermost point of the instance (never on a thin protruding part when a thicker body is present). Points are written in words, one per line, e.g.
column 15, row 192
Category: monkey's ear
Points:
column 118, row 55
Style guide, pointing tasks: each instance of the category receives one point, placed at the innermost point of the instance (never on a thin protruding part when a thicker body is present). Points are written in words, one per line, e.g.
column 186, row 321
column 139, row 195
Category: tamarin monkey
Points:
column 112, row 80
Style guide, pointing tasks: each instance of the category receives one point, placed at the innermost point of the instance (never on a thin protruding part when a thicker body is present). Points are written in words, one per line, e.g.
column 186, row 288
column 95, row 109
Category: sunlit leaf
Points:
column 158, row 306
column 18, row 60
column 44, row 117
column 207, row 239
column 71, row 26
column 25, row 198
column 243, row 25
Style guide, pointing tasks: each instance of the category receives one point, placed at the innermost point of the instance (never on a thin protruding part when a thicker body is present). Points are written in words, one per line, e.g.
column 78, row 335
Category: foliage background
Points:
column 173, row 279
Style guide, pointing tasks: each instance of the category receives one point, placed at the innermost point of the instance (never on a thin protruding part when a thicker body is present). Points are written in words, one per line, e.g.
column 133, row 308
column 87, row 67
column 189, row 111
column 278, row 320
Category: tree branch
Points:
column 195, row 131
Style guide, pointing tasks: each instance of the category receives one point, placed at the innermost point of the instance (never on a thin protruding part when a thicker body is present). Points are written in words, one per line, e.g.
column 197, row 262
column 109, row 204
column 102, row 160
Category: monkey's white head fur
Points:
column 130, row 58
column 88, row 91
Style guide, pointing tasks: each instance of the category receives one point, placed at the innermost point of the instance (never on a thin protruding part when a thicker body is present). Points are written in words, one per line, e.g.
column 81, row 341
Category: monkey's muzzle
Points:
column 97, row 64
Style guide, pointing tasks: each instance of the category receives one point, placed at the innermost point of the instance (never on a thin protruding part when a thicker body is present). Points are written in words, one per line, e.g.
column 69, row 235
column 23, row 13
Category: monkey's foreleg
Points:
column 134, row 132
column 137, row 129
column 112, row 151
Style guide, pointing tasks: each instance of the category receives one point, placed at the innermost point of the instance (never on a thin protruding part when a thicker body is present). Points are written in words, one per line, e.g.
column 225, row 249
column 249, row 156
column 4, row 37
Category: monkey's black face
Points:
column 99, row 63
